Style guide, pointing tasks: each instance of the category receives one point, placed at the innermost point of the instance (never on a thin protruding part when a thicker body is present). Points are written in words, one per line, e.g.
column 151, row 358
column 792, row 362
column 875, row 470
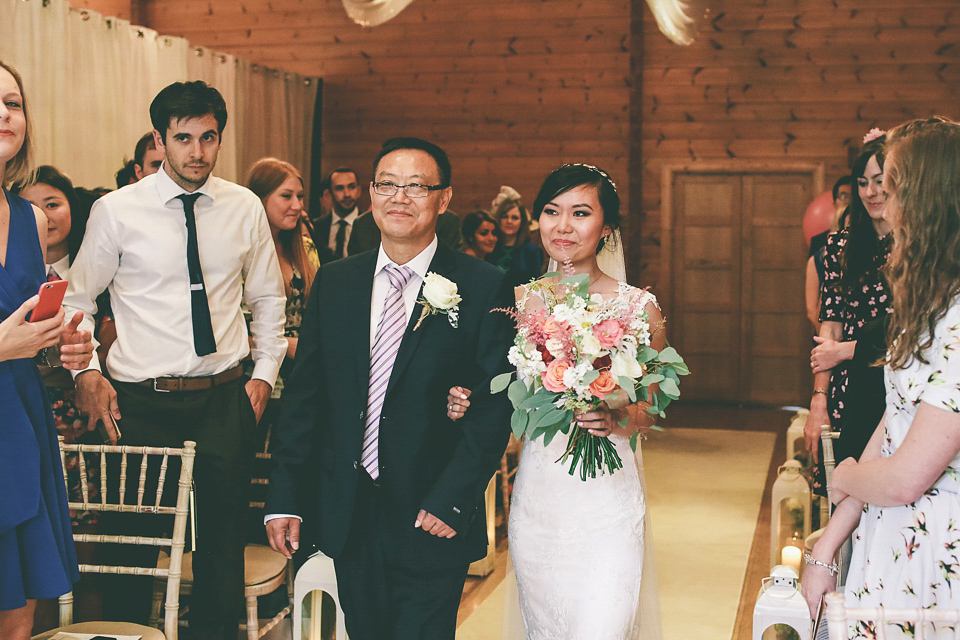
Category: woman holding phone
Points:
column 37, row 558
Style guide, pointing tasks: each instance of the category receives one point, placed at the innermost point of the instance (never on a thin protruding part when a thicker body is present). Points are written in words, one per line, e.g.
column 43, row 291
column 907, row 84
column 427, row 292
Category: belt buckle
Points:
column 157, row 389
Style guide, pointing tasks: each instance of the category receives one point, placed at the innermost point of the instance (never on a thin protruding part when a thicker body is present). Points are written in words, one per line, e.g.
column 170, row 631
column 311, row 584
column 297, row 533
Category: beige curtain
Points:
column 89, row 81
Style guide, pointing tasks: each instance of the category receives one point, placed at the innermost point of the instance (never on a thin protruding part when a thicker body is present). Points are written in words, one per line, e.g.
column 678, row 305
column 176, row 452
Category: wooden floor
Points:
column 704, row 416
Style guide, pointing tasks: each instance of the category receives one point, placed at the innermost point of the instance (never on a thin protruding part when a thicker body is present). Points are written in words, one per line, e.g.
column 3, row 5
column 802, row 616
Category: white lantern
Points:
column 789, row 510
column 795, row 439
column 781, row 611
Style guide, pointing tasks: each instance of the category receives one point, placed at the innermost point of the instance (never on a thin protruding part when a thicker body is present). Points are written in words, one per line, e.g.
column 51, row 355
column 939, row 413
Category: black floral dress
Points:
column 855, row 398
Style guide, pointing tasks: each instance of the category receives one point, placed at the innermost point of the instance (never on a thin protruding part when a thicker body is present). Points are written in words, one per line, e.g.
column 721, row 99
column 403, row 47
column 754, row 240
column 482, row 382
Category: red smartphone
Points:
column 51, row 297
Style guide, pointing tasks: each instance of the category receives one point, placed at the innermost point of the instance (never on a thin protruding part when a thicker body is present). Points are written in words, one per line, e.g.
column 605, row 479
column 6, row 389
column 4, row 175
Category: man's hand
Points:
column 259, row 392
column 284, row 535
column 76, row 346
column 22, row 339
column 97, row 399
column 433, row 525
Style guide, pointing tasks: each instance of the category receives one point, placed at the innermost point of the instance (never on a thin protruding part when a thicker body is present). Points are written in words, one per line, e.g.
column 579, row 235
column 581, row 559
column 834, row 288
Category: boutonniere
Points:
column 439, row 296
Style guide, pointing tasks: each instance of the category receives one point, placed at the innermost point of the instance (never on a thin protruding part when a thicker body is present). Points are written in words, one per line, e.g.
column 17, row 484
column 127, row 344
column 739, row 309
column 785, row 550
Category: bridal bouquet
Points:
column 571, row 356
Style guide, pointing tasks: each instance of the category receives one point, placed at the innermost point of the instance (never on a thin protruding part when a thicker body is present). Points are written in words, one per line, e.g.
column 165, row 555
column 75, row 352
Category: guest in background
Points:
column 848, row 389
column 480, row 234
column 147, row 158
column 332, row 231
column 179, row 251
column 53, row 193
column 37, row 559
column 279, row 186
column 515, row 254
column 818, row 243
column 322, row 206
column 127, row 174
column 903, row 495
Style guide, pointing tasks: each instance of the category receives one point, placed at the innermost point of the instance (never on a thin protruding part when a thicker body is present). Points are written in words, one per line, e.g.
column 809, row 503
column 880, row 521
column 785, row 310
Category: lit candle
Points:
column 791, row 556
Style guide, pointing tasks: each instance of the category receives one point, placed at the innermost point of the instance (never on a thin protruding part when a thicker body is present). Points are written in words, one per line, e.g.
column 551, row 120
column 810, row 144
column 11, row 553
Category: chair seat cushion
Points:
column 106, row 629
column 260, row 564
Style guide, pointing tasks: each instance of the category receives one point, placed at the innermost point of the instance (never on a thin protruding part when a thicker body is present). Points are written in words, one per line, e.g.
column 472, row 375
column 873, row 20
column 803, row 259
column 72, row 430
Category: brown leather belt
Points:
column 198, row 383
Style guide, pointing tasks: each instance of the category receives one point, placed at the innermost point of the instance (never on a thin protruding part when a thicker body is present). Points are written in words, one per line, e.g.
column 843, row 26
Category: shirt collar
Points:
column 168, row 189
column 419, row 264
column 350, row 217
column 60, row 267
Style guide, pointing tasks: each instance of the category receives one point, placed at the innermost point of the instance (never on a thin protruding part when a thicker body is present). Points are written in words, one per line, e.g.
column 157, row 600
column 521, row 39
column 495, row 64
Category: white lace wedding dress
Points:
column 578, row 547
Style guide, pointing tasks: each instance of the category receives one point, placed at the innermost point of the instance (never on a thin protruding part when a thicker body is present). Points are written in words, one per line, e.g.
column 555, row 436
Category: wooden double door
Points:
column 736, row 282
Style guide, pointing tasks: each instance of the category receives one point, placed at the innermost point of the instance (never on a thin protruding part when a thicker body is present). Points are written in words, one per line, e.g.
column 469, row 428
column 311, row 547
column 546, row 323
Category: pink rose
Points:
column 608, row 333
column 552, row 326
column 553, row 376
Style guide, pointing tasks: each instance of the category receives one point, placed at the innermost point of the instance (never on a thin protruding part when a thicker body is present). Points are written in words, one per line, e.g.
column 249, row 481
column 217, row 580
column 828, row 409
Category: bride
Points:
column 578, row 546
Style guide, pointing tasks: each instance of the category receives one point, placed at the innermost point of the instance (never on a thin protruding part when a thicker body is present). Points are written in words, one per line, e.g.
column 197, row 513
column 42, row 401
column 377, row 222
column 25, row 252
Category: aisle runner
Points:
column 704, row 489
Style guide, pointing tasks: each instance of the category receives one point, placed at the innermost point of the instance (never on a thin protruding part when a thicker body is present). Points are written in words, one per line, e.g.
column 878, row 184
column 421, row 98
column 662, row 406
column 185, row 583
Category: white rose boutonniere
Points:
column 439, row 296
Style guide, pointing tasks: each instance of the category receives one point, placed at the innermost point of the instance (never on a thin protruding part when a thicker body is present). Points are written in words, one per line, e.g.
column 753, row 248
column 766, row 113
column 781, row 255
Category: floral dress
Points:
column 909, row 556
column 852, row 309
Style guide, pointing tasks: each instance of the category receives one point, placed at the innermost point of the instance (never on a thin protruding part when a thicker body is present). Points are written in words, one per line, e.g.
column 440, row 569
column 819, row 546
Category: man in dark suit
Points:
column 332, row 231
column 366, row 234
column 364, row 440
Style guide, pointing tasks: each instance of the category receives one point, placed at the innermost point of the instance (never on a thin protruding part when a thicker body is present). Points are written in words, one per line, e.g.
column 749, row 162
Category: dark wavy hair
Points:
column 862, row 244
column 184, row 100
column 922, row 179
column 571, row 176
column 471, row 222
column 79, row 207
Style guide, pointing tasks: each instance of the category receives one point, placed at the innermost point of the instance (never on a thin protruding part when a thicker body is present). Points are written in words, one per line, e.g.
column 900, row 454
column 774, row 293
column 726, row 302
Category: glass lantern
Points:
column 781, row 612
column 790, row 512
column 795, row 439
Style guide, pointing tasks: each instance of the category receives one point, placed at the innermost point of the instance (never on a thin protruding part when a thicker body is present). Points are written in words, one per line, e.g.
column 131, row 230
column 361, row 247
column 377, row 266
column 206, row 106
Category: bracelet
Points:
column 833, row 569
column 816, row 391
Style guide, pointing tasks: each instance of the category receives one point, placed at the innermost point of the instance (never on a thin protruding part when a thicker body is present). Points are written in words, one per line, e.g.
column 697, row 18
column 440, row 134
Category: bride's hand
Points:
column 457, row 402
column 601, row 421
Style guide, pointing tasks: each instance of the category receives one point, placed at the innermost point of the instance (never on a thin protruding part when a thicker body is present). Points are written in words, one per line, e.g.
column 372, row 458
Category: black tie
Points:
column 341, row 238
column 203, row 340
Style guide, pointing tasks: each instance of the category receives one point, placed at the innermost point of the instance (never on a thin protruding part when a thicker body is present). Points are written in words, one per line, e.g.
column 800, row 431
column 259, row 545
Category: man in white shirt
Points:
column 333, row 231
column 178, row 251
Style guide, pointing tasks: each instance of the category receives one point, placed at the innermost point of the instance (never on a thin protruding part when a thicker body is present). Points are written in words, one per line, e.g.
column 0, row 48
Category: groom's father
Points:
column 364, row 440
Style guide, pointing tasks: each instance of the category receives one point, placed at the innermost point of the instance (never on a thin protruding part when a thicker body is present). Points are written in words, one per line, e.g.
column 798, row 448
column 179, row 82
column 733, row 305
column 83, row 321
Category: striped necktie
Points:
column 393, row 323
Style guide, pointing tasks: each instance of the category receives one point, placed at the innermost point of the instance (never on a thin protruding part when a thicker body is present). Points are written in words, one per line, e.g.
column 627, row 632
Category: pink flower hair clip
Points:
column 873, row 134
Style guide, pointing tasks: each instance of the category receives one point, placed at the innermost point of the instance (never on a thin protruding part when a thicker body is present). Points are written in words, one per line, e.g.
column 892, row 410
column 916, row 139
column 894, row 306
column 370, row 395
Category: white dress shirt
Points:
column 335, row 227
column 60, row 268
column 135, row 246
column 381, row 284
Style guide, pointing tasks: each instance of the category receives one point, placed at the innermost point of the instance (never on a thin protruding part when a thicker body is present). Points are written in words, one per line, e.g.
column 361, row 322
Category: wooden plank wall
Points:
column 788, row 80
column 511, row 88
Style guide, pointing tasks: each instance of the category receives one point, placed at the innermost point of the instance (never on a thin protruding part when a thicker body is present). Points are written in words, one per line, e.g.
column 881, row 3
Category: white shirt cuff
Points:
column 272, row 516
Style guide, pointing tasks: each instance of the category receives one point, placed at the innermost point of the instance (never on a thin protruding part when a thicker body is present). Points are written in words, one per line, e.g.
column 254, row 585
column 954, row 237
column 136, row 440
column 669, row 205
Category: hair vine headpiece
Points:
column 594, row 169
column 873, row 134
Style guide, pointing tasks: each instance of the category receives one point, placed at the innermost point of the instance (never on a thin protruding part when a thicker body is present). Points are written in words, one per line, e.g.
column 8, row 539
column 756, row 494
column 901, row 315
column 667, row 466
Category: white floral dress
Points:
column 909, row 556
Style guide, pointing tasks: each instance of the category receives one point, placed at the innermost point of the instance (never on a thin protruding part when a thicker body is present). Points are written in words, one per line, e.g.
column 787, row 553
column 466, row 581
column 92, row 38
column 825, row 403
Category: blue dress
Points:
column 37, row 558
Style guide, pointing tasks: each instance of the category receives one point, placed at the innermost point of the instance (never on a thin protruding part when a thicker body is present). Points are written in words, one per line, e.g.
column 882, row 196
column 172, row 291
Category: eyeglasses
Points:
column 412, row 190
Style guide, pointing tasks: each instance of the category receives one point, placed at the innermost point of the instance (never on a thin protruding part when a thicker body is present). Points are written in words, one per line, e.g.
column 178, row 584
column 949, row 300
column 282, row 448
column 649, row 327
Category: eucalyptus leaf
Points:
column 633, row 440
column 517, row 392
column 590, row 376
column 646, row 354
column 552, row 417
column 670, row 389
column 518, row 423
column 681, row 368
column 548, row 435
column 650, row 379
column 670, row 355
column 500, row 382
column 626, row 383
column 538, row 400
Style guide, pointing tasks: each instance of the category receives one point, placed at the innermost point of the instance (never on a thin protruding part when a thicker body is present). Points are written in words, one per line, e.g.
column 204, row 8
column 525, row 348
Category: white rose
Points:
column 440, row 292
column 624, row 363
column 590, row 346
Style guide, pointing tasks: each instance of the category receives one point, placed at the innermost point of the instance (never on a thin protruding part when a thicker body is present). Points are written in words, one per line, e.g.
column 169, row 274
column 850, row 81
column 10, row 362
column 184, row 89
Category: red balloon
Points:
column 819, row 216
